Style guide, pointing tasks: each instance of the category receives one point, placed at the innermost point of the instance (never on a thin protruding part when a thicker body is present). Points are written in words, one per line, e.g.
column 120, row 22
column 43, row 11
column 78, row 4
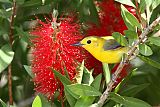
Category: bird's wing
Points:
column 111, row 44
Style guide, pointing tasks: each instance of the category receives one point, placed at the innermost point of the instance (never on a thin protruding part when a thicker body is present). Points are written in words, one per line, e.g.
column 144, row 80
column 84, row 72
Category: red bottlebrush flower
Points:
column 52, row 49
column 110, row 19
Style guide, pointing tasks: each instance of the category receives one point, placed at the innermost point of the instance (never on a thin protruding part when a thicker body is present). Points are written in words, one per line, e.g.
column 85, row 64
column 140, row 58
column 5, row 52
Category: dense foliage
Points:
column 39, row 67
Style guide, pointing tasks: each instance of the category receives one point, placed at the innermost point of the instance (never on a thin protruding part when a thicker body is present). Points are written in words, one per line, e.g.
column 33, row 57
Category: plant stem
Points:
column 141, row 39
column 11, row 41
column 139, row 15
column 10, row 84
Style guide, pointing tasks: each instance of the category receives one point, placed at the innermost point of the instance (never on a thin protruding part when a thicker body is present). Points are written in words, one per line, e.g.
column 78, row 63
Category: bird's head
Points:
column 90, row 43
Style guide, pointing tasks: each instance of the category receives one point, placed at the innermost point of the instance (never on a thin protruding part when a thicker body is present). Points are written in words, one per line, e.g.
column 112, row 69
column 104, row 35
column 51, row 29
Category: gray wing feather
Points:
column 111, row 44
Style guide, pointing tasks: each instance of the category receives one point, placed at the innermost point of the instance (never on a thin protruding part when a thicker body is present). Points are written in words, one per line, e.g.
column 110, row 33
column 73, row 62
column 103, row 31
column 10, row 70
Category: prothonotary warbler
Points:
column 105, row 49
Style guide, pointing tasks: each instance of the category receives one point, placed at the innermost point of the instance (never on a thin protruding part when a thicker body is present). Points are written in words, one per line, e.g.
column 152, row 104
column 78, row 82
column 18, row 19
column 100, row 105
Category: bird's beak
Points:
column 77, row 44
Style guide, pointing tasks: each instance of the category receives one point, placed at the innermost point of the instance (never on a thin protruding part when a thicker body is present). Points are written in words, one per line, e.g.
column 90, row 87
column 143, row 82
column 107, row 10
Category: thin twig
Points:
column 10, row 84
column 138, row 12
column 141, row 39
column 143, row 23
column 11, row 41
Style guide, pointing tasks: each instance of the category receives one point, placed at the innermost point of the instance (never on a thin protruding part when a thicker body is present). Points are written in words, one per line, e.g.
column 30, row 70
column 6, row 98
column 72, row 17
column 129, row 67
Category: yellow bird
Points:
column 105, row 49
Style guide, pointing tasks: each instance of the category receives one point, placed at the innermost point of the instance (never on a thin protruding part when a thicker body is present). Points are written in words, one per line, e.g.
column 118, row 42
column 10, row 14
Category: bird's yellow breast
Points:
column 109, row 56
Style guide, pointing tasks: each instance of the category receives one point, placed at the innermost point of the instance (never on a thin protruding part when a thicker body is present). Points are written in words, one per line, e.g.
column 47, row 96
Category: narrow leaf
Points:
column 128, row 101
column 148, row 2
column 126, row 2
column 6, row 56
column 3, row 103
column 155, row 13
column 28, row 69
column 155, row 4
column 150, row 61
column 25, row 36
column 142, row 6
column 132, row 90
column 84, row 90
column 130, row 18
column 87, row 76
column 61, row 77
column 145, row 50
column 154, row 40
column 134, row 102
column 107, row 73
column 120, row 38
column 85, row 101
column 70, row 92
column 70, row 96
column 37, row 102
column 66, row 71
column 5, row 1
column 4, row 14
column 33, row 3
column 80, row 73
column 88, row 12
column 44, row 101
column 97, row 82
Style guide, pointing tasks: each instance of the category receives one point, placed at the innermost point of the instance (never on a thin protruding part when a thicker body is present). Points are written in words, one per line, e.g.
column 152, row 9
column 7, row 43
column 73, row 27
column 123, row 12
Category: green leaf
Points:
column 87, row 11
column 128, row 101
column 142, row 6
column 80, row 73
column 154, row 40
column 70, row 92
column 84, row 101
column 130, row 20
column 37, row 102
column 44, row 101
column 155, row 3
column 61, row 77
column 97, row 82
column 150, row 61
column 71, row 97
column 6, row 56
column 148, row 2
column 33, row 3
column 87, row 76
column 20, row 2
column 5, row 1
column 4, row 14
column 134, row 102
column 107, row 73
column 129, row 26
column 66, row 71
column 3, row 103
column 84, row 90
column 25, row 36
column 132, row 90
column 131, row 35
column 155, row 13
column 126, row 2
column 29, row 71
column 145, row 50
column 120, row 38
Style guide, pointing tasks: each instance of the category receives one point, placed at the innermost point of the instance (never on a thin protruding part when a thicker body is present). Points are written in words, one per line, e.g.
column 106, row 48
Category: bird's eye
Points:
column 89, row 41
